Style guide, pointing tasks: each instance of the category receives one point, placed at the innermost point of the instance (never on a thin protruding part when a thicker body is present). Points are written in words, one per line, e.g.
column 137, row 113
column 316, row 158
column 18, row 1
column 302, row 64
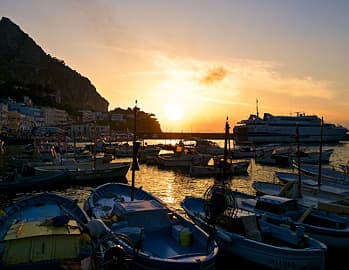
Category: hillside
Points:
column 25, row 69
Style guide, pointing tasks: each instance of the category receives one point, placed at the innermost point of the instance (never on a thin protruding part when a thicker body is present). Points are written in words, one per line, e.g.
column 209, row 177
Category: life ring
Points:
column 115, row 258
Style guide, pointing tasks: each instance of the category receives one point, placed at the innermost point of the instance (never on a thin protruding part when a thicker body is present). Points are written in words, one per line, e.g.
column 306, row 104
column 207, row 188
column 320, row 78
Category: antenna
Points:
column 257, row 107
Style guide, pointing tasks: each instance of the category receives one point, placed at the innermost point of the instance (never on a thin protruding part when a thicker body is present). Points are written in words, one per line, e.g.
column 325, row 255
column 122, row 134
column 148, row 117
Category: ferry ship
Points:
column 282, row 129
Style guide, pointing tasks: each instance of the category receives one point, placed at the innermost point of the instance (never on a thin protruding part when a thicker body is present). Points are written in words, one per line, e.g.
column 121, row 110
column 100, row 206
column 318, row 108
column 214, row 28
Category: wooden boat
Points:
column 183, row 156
column 248, row 236
column 87, row 172
column 329, row 202
column 162, row 239
column 16, row 182
column 286, row 157
column 327, row 173
column 329, row 228
column 205, row 146
column 49, row 231
column 250, row 151
column 233, row 168
column 312, row 183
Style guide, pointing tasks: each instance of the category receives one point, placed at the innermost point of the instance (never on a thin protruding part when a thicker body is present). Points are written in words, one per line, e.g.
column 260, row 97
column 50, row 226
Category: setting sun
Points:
column 174, row 112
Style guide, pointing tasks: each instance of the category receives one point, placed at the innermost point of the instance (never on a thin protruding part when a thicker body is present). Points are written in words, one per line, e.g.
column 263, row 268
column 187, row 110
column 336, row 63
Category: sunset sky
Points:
column 195, row 62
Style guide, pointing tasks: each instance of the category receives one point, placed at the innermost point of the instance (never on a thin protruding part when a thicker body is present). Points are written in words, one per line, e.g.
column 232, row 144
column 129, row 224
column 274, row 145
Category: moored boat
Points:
column 183, row 156
column 329, row 228
column 50, row 231
column 327, row 201
column 16, row 182
column 246, row 235
column 282, row 129
column 233, row 168
column 87, row 172
column 327, row 173
column 163, row 239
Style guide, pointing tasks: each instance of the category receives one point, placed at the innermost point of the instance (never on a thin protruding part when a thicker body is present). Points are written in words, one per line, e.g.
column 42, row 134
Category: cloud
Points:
column 257, row 76
column 214, row 75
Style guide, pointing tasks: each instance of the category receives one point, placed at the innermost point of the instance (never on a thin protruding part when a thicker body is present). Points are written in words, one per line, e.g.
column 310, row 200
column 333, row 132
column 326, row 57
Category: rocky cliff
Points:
column 24, row 64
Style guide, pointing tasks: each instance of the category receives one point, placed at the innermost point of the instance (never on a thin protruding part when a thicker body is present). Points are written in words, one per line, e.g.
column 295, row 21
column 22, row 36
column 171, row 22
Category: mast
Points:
column 135, row 146
column 320, row 153
column 225, row 158
column 299, row 195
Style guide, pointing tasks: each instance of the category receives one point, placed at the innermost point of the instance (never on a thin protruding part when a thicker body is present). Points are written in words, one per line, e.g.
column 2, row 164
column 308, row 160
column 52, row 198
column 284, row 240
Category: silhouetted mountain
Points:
column 26, row 69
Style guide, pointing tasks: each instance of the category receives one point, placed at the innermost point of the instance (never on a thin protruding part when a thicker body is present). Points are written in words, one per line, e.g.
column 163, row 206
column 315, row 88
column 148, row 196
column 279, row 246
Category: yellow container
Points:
column 185, row 237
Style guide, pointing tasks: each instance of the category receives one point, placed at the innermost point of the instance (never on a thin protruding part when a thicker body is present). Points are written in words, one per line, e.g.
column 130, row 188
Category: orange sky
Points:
column 193, row 63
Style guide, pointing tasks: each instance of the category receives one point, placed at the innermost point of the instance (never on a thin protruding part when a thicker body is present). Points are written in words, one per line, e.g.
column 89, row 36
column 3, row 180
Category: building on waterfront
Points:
column 55, row 117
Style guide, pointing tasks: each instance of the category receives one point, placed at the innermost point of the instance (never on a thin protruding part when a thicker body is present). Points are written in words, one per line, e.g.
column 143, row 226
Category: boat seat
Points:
column 282, row 232
column 251, row 227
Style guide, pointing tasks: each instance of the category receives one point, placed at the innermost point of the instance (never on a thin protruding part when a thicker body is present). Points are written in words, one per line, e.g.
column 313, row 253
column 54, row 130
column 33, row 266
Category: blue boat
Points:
column 49, row 231
column 20, row 183
column 159, row 237
column 248, row 236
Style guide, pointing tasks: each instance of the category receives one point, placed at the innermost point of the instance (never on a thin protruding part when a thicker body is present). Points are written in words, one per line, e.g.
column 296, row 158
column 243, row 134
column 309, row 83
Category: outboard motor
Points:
column 115, row 258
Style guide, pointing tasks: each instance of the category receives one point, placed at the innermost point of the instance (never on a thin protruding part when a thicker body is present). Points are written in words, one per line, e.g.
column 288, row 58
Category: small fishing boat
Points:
column 313, row 183
column 89, row 172
column 183, row 156
column 314, row 197
column 50, row 231
column 285, row 156
column 248, row 236
column 327, row 173
column 233, row 168
column 329, row 228
column 16, row 182
column 160, row 238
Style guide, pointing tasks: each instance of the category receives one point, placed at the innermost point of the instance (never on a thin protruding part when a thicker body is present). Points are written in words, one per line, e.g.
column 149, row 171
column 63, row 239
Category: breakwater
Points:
column 182, row 135
column 191, row 135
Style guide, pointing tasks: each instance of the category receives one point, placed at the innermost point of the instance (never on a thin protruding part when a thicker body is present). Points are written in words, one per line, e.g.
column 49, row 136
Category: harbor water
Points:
column 172, row 185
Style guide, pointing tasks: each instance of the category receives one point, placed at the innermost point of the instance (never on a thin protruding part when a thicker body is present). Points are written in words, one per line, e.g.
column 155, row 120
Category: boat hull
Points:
column 81, row 174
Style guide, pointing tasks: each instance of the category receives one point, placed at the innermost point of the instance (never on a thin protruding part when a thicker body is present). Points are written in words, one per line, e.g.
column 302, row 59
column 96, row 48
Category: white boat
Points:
column 250, row 151
column 313, row 183
column 90, row 172
column 183, row 156
column 286, row 157
column 233, row 168
column 246, row 235
column 326, row 201
column 282, row 129
column 329, row 228
column 327, row 173
column 204, row 146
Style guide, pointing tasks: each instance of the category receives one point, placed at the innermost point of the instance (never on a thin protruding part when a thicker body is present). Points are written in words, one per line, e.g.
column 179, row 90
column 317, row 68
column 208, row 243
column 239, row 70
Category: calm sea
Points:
column 173, row 185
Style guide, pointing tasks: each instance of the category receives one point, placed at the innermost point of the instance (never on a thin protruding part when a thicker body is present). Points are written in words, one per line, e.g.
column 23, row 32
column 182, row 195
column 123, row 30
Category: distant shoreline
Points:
column 192, row 135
